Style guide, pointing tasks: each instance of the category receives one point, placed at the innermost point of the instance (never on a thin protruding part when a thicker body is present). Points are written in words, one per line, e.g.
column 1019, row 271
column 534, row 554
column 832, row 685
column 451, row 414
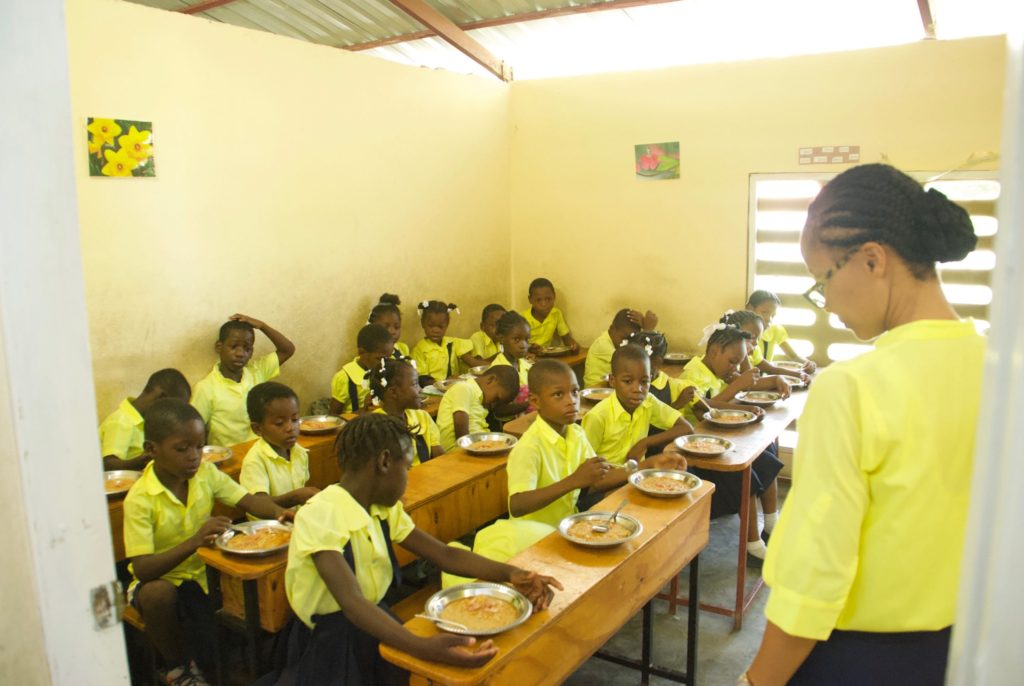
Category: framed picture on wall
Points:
column 120, row 147
column 657, row 160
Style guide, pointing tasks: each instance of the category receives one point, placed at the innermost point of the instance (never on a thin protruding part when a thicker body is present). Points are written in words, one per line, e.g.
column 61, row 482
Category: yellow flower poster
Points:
column 120, row 147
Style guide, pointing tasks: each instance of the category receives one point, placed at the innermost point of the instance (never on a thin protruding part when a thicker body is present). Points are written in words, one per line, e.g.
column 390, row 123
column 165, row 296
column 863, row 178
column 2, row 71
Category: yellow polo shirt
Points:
column 421, row 424
column 264, row 471
column 483, row 346
column 773, row 335
column 756, row 356
column 541, row 332
column 339, row 385
column 121, row 433
column 524, row 367
column 401, row 349
column 328, row 521
column 432, row 359
column 500, row 542
column 156, row 521
column 465, row 396
column 871, row 534
column 676, row 385
column 221, row 401
column 708, row 385
column 541, row 458
column 612, row 431
column 599, row 361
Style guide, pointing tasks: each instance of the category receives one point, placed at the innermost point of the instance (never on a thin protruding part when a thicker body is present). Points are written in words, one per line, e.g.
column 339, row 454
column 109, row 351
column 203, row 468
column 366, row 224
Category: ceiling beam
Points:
column 452, row 34
column 203, row 6
column 925, row 7
column 511, row 19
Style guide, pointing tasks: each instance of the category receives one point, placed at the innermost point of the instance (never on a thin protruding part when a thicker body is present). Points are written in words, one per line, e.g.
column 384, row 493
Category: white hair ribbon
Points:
column 708, row 331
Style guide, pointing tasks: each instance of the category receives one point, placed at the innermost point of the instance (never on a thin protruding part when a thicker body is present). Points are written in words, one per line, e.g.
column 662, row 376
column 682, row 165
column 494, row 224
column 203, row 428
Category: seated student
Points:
column 166, row 519
column 726, row 348
column 764, row 304
column 276, row 464
column 121, row 432
column 394, row 391
column 348, row 394
column 437, row 356
column 387, row 314
column 668, row 389
column 463, row 409
column 485, row 342
column 545, row 319
column 341, row 564
column 513, row 334
column 618, row 426
column 754, row 325
column 220, row 397
column 599, row 356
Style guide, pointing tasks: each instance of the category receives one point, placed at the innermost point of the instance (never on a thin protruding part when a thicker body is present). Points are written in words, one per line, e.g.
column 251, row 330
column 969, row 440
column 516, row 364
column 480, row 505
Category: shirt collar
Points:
column 548, row 434
column 223, row 379
column 152, row 485
column 356, row 517
column 266, row 450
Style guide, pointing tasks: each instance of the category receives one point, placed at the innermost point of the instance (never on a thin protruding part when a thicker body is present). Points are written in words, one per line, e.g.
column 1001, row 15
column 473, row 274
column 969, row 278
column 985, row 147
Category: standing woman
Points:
column 864, row 565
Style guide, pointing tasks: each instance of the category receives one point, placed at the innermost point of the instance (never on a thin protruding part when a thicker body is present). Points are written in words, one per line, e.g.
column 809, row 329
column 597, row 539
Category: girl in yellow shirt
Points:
column 764, row 304
column 865, row 564
column 437, row 356
column 754, row 325
column 513, row 335
column 387, row 314
column 394, row 390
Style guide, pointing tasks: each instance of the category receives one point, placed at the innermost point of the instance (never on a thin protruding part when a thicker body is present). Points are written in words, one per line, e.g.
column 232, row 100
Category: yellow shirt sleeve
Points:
column 594, row 426
column 561, row 326
column 138, row 526
column 225, row 489
column 400, row 523
column 254, row 476
column 812, row 560
column 202, row 400
column 339, row 389
column 116, row 437
column 266, row 367
column 431, row 433
column 663, row 416
column 523, row 469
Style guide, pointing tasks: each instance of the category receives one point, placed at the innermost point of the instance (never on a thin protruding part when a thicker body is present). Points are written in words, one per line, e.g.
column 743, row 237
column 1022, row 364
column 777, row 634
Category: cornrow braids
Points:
column 426, row 307
column 727, row 334
column 741, row 318
column 380, row 377
column 876, row 202
column 652, row 342
column 508, row 321
column 387, row 304
column 367, row 436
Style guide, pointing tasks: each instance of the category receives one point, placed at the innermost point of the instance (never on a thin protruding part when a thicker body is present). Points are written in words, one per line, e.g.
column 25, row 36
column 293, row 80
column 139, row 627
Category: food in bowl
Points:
column 261, row 539
column 487, row 445
column 584, row 531
column 706, row 447
column 317, row 425
column 481, row 612
column 117, row 485
column 664, row 484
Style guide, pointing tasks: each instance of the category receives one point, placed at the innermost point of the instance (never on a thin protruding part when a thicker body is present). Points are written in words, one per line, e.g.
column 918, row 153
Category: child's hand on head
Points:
column 590, row 472
column 211, row 529
column 650, row 322
column 461, row 651
column 536, row 587
column 255, row 323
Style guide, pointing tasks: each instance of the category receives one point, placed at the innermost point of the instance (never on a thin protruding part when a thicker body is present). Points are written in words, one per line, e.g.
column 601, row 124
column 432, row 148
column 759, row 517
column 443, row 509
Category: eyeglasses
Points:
column 816, row 293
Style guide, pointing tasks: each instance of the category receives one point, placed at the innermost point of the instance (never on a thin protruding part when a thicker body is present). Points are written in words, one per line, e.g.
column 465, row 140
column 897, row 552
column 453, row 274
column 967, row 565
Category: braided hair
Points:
column 387, row 304
column 742, row 318
column 509, row 321
column 653, row 343
column 367, row 436
column 383, row 375
column 435, row 307
column 727, row 335
column 876, row 202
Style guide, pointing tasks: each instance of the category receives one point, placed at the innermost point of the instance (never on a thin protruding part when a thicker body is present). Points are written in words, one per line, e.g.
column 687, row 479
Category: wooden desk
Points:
column 603, row 589
column 748, row 444
column 576, row 360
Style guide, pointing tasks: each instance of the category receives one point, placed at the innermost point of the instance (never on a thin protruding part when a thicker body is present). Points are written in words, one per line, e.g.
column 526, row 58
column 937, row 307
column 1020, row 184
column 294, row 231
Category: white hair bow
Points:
column 709, row 330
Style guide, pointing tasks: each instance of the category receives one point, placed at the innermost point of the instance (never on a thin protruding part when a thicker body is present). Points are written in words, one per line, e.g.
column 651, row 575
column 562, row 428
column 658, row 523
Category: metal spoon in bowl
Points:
column 605, row 528
column 713, row 411
column 438, row 621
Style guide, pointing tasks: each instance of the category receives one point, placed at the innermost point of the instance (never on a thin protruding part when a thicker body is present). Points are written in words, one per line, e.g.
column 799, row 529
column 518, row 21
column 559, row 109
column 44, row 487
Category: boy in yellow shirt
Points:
column 545, row 319
column 276, row 464
column 121, row 433
column 599, row 355
column 348, row 393
column 618, row 426
column 166, row 519
column 463, row 409
column 485, row 341
column 220, row 397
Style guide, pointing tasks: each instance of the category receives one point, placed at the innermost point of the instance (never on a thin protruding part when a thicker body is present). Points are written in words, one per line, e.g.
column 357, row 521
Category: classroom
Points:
column 291, row 185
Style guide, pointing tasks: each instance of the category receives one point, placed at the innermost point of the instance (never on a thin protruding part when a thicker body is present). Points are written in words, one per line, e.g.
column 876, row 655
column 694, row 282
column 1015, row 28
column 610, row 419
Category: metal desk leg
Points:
column 216, row 600
column 741, row 564
column 692, row 615
column 645, row 646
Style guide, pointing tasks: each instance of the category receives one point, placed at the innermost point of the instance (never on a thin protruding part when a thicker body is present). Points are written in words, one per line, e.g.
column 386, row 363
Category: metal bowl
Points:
column 599, row 518
column 596, row 395
column 689, row 480
column 469, row 439
column 479, row 369
column 555, row 350
column 762, row 398
column 688, row 444
column 444, row 384
column 215, row 454
column 794, row 381
column 786, row 364
column 335, row 422
column 252, row 527
column 741, row 418
column 436, row 603
column 677, row 358
column 110, row 478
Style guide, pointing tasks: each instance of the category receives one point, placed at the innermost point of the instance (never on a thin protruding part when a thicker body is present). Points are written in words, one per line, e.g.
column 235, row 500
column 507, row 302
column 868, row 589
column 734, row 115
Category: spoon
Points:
column 438, row 621
column 712, row 410
column 605, row 528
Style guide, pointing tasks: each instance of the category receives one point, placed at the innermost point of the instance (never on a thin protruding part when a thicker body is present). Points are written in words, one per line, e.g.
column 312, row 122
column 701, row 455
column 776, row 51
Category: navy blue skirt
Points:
column 859, row 658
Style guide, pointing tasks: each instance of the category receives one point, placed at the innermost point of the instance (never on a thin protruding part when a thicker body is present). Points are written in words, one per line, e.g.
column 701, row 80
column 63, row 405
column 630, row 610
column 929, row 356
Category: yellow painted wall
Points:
column 295, row 183
column 607, row 240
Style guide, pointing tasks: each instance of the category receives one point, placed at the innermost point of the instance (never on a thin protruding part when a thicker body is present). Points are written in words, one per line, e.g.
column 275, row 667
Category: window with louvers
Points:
column 778, row 209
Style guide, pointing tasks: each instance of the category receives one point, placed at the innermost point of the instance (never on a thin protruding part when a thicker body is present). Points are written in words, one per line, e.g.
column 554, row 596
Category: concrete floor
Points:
column 722, row 654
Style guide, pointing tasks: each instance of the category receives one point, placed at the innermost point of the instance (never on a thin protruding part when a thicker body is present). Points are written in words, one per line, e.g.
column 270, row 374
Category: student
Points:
column 668, row 389
column 121, row 433
column 754, row 325
column 463, row 409
column 599, row 356
column 437, row 356
column 726, row 349
column 276, row 464
column 764, row 304
column 485, row 342
column 341, row 564
column 618, row 426
column 513, row 335
column 387, row 314
column 394, row 391
column 348, row 394
column 545, row 319
column 220, row 397
column 167, row 517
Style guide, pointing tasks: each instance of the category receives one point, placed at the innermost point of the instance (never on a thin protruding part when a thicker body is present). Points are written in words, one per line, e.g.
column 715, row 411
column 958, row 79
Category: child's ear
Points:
column 383, row 461
column 148, row 448
column 256, row 429
column 217, row 346
column 533, row 399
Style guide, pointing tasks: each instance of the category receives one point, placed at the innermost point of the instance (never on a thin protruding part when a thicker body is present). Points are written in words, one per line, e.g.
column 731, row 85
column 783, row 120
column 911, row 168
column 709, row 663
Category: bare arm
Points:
column 285, row 348
column 460, row 420
column 155, row 565
column 260, row 505
column 113, row 462
column 588, row 474
column 779, row 657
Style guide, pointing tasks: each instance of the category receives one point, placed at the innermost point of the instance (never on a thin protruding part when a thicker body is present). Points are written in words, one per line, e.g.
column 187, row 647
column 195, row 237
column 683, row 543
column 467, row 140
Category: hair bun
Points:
column 389, row 299
column 944, row 229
